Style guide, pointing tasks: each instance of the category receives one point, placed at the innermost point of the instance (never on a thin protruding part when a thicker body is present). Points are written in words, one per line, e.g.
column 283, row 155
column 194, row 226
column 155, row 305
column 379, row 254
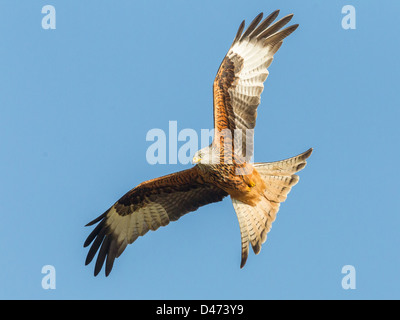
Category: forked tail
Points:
column 255, row 221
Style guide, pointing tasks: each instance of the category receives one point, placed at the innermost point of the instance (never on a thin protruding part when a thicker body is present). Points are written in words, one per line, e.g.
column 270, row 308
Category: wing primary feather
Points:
column 252, row 25
column 102, row 255
column 97, row 219
column 93, row 234
column 275, row 27
column 112, row 253
column 265, row 24
column 280, row 35
column 95, row 246
column 239, row 32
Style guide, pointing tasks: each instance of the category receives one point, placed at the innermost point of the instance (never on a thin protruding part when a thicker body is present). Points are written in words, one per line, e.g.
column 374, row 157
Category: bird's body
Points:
column 240, row 182
column 223, row 168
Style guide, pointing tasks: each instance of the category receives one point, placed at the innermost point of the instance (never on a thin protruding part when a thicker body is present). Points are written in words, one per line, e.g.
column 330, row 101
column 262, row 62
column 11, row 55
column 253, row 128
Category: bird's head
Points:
column 206, row 156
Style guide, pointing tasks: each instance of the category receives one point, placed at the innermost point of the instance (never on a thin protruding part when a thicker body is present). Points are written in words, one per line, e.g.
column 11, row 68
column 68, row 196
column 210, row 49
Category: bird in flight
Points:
column 221, row 169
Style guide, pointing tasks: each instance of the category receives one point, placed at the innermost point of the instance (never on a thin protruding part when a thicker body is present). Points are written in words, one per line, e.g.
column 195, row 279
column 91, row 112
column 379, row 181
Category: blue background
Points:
column 77, row 102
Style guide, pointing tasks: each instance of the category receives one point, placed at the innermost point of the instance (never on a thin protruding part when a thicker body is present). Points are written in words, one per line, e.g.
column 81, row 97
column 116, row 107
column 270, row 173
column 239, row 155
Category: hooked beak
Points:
column 195, row 160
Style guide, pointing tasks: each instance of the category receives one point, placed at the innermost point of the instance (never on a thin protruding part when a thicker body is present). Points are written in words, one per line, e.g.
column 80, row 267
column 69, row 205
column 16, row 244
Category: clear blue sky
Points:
column 76, row 104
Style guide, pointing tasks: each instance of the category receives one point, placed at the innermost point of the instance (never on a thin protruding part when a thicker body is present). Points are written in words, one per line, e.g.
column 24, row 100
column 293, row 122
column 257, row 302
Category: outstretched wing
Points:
column 239, row 81
column 151, row 204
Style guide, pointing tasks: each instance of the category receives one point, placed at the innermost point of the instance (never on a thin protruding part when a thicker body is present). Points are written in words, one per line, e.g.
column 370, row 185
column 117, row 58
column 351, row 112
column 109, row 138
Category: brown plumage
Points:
column 222, row 169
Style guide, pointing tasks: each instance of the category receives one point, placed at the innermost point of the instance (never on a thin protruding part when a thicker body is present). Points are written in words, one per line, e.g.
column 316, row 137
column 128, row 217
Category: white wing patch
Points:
column 128, row 228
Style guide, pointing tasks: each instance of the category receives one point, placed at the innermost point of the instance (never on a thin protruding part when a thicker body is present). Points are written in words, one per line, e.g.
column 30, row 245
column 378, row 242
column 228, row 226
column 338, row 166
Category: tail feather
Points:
column 247, row 229
column 256, row 221
column 284, row 167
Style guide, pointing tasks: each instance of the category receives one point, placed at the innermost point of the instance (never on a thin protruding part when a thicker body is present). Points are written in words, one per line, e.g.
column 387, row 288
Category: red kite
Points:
column 223, row 168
